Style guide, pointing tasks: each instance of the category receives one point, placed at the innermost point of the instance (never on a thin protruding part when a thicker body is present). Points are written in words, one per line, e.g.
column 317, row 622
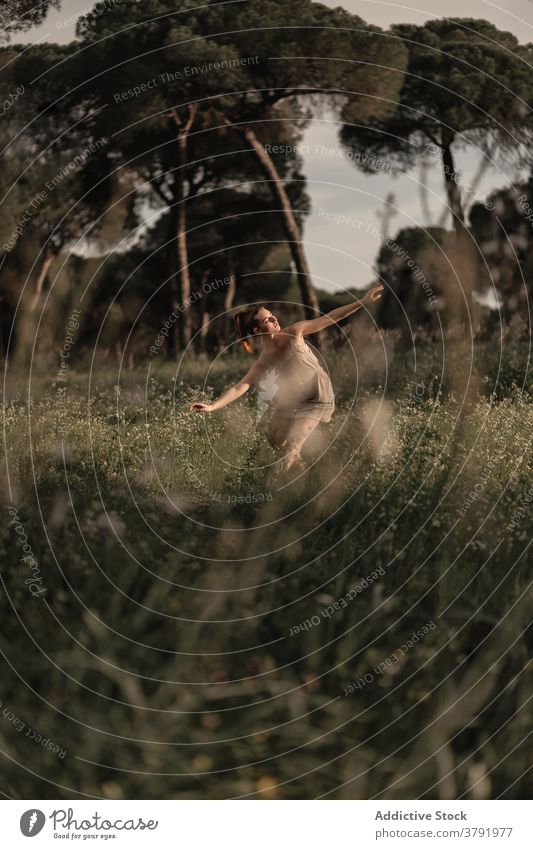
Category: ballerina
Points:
column 305, row 394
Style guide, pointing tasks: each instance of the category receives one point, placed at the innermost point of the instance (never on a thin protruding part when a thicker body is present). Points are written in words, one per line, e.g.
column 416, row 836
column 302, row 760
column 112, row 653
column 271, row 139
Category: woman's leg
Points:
column 290, row 434
column 278, row 428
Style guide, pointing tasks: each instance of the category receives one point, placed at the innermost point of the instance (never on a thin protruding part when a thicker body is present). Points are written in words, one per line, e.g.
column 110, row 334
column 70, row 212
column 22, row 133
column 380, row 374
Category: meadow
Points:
column 208, row 628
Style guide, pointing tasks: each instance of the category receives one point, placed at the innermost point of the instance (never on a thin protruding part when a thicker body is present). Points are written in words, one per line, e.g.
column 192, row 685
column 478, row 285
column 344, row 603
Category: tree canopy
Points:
column 173, row 130
column 19, row 15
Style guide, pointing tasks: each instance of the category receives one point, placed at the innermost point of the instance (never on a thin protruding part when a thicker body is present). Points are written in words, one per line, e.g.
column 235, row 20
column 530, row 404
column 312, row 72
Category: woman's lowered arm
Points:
column 252, row 376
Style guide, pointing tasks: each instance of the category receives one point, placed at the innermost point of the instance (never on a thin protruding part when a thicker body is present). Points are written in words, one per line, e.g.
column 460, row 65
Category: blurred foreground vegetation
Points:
column 160, row 656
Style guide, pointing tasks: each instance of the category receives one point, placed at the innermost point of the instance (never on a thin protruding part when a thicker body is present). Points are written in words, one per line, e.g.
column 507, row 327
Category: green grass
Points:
column 161, row 653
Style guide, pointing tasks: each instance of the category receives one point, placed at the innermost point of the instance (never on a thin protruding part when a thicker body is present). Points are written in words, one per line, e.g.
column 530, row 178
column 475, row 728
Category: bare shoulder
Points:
column 286, row 334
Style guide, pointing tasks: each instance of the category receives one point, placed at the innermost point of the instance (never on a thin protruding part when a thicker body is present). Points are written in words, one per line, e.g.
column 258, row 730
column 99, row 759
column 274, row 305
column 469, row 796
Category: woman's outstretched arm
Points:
column 250, row 378
column 313, row 325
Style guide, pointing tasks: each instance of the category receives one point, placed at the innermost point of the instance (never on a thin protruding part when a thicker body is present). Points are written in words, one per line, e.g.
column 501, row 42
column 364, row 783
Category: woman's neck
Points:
column 268, row 343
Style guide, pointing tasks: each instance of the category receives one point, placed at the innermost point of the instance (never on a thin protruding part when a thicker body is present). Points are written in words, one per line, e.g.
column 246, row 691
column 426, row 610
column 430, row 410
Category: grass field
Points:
column 185, row 634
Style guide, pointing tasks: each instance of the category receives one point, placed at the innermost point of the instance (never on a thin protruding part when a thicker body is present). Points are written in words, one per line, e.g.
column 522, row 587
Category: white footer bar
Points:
column 267, row 824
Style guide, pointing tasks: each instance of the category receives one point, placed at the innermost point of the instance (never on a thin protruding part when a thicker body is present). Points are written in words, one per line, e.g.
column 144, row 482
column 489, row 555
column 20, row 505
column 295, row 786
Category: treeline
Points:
column 155, row 157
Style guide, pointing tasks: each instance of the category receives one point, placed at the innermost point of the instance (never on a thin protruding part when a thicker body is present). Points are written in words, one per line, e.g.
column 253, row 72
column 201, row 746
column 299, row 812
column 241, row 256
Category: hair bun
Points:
column 245, row 323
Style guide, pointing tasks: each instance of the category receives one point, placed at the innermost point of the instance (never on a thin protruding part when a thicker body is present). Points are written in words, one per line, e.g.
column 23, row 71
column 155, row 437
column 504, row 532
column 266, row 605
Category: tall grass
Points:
column 177, row 561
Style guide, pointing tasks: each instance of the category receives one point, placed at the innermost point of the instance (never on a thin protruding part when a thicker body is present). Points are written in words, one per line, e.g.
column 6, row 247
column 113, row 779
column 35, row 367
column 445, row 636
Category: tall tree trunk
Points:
column 290, row 225
column 464, row 261
column 229, row 297
column 181, row 228
column 427, row 218
column 173, row 339
column 386, row 214
column 478, row 176
column 204, row 329
column 205, row 316
column 39, row 283
column 453, row 190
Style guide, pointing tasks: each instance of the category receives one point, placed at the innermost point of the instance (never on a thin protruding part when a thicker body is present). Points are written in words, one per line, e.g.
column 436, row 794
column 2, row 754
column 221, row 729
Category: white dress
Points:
column 305, row 390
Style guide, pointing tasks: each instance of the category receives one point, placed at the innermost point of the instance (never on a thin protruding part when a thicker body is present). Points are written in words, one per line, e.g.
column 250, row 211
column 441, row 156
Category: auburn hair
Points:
column 245, row 322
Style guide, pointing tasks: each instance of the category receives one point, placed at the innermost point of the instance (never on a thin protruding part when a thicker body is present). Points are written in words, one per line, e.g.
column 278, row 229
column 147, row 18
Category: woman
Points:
column 305, row 394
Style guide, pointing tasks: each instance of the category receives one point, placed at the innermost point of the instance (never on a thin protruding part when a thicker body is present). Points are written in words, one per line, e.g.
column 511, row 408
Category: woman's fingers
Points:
column 200, row 408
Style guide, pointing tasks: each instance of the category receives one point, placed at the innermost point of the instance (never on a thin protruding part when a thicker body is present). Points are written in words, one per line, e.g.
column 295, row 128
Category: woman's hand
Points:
column 375, row 294
column 201, row 408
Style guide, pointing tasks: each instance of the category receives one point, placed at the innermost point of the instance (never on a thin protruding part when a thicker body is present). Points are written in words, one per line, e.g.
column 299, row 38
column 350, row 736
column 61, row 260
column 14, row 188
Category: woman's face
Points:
column 266, row 322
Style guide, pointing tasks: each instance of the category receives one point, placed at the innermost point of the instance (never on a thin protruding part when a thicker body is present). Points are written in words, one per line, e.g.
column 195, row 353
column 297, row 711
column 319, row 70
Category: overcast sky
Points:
column 342, row 254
